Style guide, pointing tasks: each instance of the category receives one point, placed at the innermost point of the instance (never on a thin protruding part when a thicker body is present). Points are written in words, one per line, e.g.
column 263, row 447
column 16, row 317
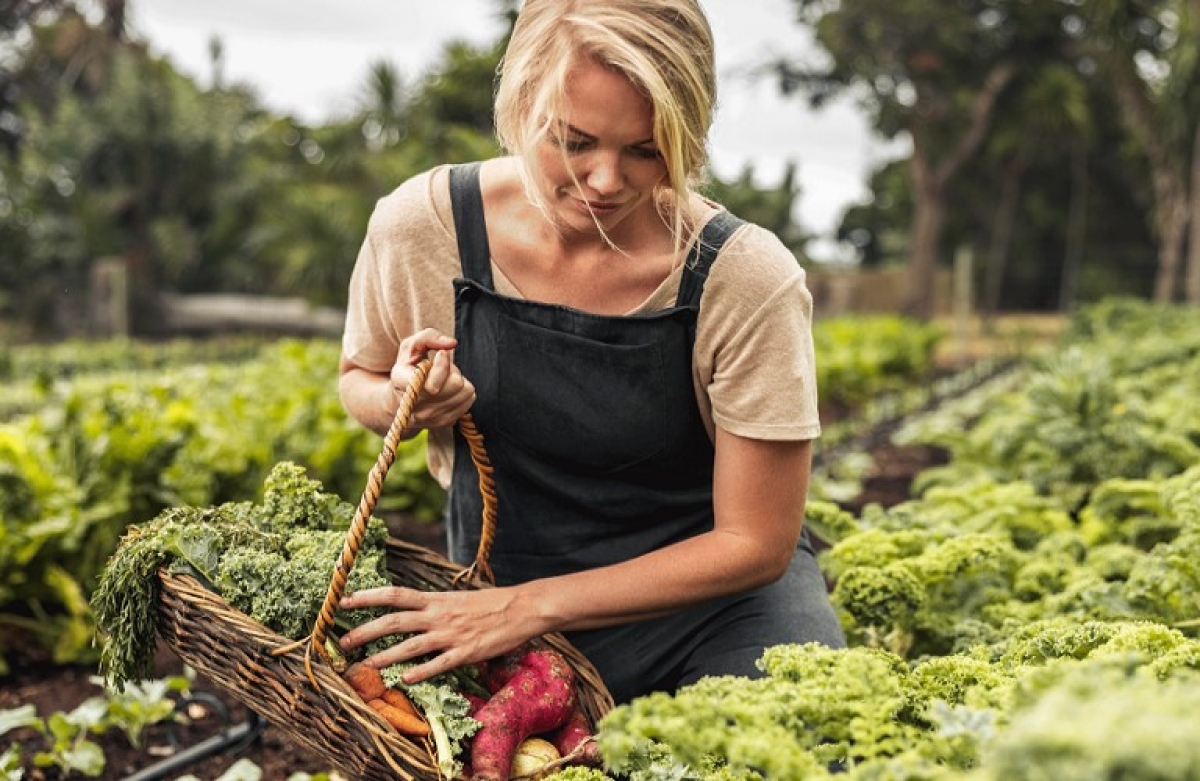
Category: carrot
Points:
column 575, row 738
column 366, row 681
column 398, row 699
column 405, row 723
column 538, row 698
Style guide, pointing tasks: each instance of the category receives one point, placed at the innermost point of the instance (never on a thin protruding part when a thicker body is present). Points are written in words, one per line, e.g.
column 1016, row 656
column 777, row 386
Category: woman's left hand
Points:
column 453, row 628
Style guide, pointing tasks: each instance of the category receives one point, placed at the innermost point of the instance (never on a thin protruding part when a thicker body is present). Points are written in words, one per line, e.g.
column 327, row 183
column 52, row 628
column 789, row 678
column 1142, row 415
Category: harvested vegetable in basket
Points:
column 537, row 698
column 442, row 703
column 401, row 720
column 366, row 681
column 269, row 560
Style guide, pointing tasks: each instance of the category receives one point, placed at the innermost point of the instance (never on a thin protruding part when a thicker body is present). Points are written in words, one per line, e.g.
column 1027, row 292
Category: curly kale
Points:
column 829, row 521
column 815, row 709
column 292, row 500
column 285, row 588
column 883, row 602
column 1135, row 727
column 580, row 773
column 447, row 710
column 272, row 561
column 1067, row 638
column 861, row 713
column 919, row 590
column 126, row 598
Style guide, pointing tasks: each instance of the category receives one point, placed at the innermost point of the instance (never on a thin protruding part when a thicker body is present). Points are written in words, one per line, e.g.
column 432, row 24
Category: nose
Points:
column 604, row 176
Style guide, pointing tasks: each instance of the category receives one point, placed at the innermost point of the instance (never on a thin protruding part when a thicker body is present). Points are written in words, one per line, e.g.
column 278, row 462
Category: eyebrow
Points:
column 591, row 137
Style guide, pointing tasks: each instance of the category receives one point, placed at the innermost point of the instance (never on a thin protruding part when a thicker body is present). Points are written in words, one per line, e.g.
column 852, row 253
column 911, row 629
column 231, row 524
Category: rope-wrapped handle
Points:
column 370, row 497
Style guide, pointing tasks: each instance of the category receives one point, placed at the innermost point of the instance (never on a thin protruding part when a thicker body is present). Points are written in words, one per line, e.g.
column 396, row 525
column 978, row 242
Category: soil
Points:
column 52, row 688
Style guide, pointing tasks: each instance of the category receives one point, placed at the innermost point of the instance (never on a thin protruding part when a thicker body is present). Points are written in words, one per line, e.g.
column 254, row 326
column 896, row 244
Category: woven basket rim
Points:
column 234, row 651
column 188, row 622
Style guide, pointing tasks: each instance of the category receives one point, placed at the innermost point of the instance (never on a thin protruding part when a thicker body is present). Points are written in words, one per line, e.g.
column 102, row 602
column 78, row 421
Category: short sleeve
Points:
column 403, row 276
column 755, row 363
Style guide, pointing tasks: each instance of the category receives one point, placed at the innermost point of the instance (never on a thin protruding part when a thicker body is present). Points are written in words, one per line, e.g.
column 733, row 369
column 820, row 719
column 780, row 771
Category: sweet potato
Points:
column 405, row 723
column 538, row 698
column 476, row 701
column 576, row 736
column 496, row 672
column 366, row 681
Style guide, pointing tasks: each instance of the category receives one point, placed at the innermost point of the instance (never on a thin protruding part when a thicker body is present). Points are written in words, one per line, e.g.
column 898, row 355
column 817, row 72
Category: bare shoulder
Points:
column 501, row 183
column 511, row 217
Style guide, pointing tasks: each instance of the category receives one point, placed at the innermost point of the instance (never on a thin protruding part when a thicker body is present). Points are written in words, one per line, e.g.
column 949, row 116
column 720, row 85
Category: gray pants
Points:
column 724, row 637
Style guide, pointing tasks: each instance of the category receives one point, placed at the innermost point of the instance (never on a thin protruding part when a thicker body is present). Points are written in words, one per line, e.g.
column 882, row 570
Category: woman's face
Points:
column 600, row 163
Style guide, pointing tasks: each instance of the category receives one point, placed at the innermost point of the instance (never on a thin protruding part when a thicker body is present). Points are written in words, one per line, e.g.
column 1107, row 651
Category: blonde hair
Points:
column 664, row 47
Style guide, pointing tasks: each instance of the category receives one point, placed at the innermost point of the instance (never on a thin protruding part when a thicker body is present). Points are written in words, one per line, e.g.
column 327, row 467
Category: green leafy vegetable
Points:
column 446, row 710
column 271, row 561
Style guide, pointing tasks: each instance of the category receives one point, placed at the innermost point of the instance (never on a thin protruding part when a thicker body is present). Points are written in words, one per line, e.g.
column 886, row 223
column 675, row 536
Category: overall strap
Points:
column 466, row 201
column 703, row 254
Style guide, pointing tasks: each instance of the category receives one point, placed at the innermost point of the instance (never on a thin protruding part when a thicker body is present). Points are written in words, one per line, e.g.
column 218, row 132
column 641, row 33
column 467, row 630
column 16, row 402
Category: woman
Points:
column 638, row 361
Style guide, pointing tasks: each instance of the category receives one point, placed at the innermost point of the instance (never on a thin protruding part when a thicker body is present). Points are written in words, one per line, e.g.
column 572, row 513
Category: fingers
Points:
column 414, row 347
column 443, row 630
column 416, row 647
column 385, row 596
column 407, row 619
column 402, row 618
column 436, row 658
column 435, row 666
column 444, row 378
column 446, row 395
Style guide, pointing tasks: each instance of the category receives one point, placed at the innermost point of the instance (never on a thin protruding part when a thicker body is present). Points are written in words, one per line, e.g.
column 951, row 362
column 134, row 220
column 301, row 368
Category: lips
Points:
column 600, row 208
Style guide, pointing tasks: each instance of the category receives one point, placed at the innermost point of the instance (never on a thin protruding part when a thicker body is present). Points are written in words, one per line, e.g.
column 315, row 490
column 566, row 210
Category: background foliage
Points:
column 1054, row 140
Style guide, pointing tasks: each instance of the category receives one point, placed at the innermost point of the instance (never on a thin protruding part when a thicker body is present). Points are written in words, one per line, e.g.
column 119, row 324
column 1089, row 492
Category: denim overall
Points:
column 600, row 455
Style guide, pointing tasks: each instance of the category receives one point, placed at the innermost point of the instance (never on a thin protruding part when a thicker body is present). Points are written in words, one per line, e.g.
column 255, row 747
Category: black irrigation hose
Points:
column 880, row 429
column 229, row 739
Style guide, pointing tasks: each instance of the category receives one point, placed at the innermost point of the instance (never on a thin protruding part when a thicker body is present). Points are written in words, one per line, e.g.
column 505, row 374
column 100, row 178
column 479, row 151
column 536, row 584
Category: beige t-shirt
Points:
column 752, row 363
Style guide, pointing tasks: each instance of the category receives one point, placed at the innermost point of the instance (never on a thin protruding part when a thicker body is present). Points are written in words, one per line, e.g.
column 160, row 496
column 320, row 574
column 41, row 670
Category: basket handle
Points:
column 370, row 496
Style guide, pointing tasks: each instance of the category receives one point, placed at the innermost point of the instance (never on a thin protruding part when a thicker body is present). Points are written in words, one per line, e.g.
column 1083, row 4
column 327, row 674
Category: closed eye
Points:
column 646, row 153
column 571, row 145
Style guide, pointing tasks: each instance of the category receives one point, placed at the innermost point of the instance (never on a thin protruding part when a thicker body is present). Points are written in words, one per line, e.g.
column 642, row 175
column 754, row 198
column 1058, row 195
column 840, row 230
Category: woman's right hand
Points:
column 447, row 395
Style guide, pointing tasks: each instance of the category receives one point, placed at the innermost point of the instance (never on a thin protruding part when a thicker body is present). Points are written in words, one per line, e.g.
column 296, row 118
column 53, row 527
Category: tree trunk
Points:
column 1002, row 228
column 930, row 183
column 929, row 214
column 1167, row 181
column 1192, row 284
column 1171, row 223
column 1076, row 225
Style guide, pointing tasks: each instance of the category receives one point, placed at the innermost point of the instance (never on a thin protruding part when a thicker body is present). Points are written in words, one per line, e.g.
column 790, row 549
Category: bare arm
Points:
column 759, row 496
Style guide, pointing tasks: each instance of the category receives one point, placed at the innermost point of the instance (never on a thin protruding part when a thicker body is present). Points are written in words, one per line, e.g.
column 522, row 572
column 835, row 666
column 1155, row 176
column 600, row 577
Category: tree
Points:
column 384, row 105
column 773, row 208
column 934, row 72
column 203, row 190
column 1048, row 111
column 143, row 170
column 1147, row 52
column 1190, row 56
column 1065, row 215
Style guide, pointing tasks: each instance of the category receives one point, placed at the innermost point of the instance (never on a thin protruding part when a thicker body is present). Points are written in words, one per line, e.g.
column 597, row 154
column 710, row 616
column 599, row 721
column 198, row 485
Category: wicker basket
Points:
column 293, row 686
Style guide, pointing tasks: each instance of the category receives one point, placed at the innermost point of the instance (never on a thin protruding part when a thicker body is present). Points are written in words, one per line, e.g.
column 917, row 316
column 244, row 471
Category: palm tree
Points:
column 383, row 105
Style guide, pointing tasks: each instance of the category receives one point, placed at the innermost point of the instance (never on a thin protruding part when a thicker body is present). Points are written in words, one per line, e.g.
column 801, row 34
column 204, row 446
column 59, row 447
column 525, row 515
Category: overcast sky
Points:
column 309, row 57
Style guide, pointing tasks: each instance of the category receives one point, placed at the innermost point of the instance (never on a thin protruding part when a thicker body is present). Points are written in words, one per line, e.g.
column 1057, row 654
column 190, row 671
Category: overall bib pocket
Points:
column 569, row 402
